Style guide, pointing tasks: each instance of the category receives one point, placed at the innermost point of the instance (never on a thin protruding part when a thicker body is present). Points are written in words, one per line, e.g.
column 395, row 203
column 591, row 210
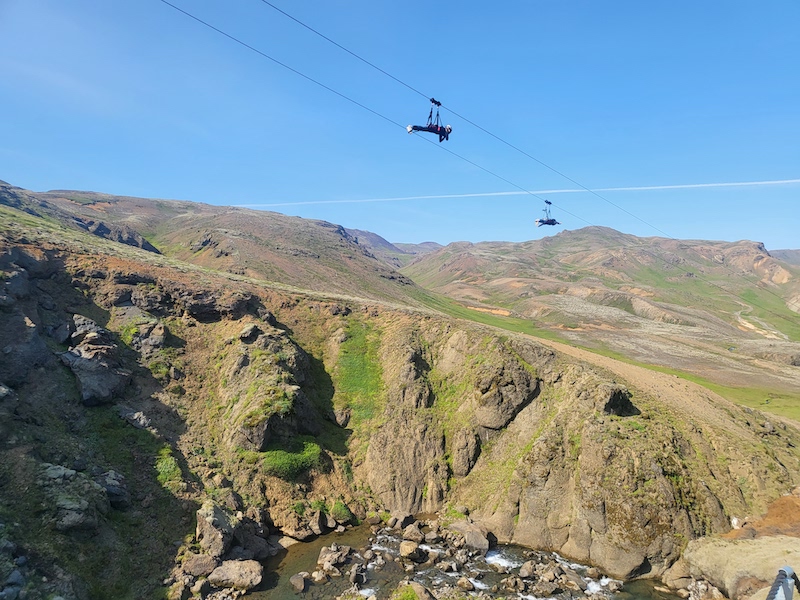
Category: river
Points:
column 303, row 557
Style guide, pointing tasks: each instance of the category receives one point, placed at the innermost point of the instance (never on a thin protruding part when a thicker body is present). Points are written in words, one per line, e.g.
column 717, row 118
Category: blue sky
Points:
column 135, row 98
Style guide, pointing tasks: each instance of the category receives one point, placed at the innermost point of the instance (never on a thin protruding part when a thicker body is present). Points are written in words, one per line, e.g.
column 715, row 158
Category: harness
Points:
column 434, row 122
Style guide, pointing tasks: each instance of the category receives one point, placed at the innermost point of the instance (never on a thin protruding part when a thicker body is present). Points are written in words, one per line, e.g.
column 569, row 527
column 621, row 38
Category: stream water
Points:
column 381, row 582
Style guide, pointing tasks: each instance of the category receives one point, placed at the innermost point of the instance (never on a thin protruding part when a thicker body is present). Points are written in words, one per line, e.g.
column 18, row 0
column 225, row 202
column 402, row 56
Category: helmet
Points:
column 448, row 129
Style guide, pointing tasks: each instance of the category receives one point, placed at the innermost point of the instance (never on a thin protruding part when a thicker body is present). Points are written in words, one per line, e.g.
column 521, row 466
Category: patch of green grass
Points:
column 128, row 332
column 159, row 368
column 341, row 513
column 168, row 470
column 404, row 593
column 459, row 311
column 358, row 374
column 290, row 464
column 771, row 310
column 451, row 514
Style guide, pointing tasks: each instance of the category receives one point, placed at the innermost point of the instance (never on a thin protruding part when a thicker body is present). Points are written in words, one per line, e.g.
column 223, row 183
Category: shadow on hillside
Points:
column 320, row 391
column 124, row 445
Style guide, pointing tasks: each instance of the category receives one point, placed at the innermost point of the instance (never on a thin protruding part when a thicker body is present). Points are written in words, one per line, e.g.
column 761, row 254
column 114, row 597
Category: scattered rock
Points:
column 298, row 582
column 475, row 536
column 237, row 574
column 413, row 533
column 199, row 565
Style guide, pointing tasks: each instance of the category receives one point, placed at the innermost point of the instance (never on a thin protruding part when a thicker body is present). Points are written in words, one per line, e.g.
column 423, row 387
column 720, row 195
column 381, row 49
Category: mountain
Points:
column 396, row 255
column 301, row 253
column 788, row 256
column 715, row 309
column 165, row 422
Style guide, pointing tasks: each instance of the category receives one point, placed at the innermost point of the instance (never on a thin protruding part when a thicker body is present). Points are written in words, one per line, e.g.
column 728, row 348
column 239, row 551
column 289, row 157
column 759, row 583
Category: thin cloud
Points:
column 686, row 186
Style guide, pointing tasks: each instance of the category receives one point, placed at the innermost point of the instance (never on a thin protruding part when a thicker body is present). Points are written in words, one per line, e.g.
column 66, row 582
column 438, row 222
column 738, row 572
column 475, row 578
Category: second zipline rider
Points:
column 433, row 125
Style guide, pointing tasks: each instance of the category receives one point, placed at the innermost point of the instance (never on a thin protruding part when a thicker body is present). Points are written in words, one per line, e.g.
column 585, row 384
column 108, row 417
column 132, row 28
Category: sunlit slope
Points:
column 306, row 254
column 694, row 305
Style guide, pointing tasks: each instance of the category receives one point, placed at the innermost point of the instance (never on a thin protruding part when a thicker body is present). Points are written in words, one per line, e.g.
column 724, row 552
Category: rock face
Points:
column 578, row 463
column 268, row 404
column 738, row 568
column 95, row 362
column 122, row 234
column 22, row 327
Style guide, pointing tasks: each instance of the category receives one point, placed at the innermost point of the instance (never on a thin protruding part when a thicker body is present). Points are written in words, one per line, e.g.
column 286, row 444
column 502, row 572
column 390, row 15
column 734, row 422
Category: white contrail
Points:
column 685, row 186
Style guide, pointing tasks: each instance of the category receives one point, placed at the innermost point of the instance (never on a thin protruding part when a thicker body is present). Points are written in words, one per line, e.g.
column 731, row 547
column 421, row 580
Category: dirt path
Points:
column 679, row 395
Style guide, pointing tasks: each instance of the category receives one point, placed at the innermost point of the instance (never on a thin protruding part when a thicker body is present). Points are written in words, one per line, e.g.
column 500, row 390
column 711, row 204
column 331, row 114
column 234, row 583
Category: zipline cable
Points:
column 376, row 113
column 757, row 283
column 349, row 99
column 282, row 64
column 350, row 52
column 462, row 117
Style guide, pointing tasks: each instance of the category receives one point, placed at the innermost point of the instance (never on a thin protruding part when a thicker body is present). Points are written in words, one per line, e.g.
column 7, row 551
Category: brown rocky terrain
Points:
column 179, row 420
column 726, row 312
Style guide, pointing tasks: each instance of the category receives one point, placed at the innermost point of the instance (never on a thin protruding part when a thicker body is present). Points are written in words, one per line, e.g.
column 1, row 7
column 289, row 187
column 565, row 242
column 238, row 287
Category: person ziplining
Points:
column 434, row 125
column 548, row 220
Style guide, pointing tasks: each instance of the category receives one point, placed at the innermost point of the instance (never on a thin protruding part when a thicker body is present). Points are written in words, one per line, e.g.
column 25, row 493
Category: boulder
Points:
column 465, row 584
column 94, row 361
column 150, row 337
column 114, row 485
column 740, row 567
column 403, row 521
column 237, row 574
column 475, row 536
column 527, row 570
column 318, row 522
column 413, row 533
column 298, row 582
column 214, row 529
column 199, row 565
column 412, row 551
column 319, row 576
column 249, row 333
column 465, row 451
column 179, row 591
column 257, row 546
column 573, row 581
column 421, row 591
column 358, row 575
column 21, row 347
column 77, row 502
column 334, row 555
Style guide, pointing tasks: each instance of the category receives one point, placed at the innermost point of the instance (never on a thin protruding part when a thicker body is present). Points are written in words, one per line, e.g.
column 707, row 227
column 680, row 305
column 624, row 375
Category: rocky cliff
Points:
column 136, row 389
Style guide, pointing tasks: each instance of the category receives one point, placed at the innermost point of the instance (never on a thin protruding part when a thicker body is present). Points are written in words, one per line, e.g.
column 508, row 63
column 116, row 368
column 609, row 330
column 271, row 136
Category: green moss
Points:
column 128, row 332
column 358, row 374
column 341, row 513
column 168, row 470
column 291, row 464
column 404, row 593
